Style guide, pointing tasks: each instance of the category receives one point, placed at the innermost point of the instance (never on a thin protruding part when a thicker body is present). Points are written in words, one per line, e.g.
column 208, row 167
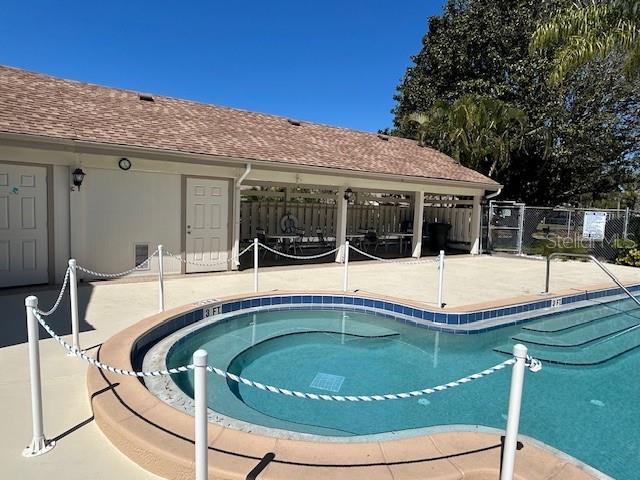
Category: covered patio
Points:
column 307, row 221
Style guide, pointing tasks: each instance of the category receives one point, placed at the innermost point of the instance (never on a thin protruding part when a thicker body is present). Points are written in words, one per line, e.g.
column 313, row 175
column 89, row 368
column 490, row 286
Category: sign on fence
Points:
column 594, row 225
column 541, row 230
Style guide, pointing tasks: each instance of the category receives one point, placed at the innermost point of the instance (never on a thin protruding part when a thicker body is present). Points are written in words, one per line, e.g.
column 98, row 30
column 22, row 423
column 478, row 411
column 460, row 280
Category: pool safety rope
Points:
column 140, row 266
column 393, row 260
column 60, row 295
column 208, row 264
column 65, row 282
column 533, row 364
column 298, row 257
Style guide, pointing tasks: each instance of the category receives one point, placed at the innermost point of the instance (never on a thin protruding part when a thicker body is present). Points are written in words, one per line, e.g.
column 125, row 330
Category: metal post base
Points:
column 38, row 447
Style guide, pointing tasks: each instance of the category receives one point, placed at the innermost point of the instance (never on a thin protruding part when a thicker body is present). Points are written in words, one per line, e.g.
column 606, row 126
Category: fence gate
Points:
column 515, row 228
column 505, row 226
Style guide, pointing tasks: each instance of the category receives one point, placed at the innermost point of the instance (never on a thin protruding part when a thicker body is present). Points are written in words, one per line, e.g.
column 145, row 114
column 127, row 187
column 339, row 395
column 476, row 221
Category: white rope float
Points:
column 208, row 264
column 533, row 364
column 392, row 260
column 298, row 257
column 59, row 299
column 140, row 266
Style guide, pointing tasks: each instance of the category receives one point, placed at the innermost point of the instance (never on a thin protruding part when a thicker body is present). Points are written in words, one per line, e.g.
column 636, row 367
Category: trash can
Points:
column 438, row 236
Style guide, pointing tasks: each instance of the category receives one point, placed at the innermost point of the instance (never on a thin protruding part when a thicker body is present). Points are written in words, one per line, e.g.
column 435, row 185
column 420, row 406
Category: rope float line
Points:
column 205, row 264
column 335, row 250
column 222, row 262
column 298, row 257
column 391, row 260
column 166, row 254
column 534, row 365
column 59, row 299
column 119, row 274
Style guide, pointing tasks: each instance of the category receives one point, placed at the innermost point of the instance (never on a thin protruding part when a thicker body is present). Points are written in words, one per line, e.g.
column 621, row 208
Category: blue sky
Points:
column 329, row 61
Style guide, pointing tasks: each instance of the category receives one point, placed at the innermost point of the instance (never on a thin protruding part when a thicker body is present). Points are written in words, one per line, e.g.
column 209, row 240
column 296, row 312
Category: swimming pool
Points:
column 583, row 402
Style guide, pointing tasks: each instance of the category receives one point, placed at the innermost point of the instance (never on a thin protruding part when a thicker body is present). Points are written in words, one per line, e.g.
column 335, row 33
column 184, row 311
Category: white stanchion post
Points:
column 513, row 415
column 440, row 278
column 39, row 444
column 345, row 280
column 256, row 251
column 201, row 420
column 161, row 278
column 73, row 296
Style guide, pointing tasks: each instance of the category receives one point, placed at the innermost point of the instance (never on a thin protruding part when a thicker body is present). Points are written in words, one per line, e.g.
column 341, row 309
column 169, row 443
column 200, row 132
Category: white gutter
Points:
column 494, row 194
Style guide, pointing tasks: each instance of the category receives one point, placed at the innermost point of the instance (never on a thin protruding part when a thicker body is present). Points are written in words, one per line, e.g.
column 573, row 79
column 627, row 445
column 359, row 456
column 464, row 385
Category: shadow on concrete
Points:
column 86, row 421
column 13, row 317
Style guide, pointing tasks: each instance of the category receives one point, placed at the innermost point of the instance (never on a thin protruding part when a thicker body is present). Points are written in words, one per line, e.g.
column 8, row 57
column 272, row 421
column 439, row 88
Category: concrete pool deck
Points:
column 109, row 307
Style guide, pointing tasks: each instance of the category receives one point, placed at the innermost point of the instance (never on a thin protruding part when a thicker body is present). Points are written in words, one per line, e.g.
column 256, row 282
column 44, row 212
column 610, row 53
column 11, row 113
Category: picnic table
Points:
column 401, row 236
column 293, row 241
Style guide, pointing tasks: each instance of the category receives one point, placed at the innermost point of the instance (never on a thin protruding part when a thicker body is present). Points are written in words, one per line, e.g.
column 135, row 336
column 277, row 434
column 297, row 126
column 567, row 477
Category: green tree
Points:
column 583, row 135
column 589, row 30
column 481, row 132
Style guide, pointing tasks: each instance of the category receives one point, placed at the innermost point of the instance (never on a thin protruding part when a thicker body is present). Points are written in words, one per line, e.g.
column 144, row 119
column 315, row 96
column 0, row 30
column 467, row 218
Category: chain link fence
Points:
column 517, row 228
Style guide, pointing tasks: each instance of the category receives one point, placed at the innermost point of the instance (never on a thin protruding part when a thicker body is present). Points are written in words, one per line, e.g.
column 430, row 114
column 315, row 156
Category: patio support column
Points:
column 475, row 226
column 341, row 223
column 418, row 218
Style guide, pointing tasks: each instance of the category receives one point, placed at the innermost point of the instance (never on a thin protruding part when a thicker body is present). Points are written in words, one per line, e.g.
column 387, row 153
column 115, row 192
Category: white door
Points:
column 23, row 225
column 207, row 234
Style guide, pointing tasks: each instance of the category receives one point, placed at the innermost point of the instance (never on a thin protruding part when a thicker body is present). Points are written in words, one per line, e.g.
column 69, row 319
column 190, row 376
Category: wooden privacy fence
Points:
column 458, row 217
column 312, row 216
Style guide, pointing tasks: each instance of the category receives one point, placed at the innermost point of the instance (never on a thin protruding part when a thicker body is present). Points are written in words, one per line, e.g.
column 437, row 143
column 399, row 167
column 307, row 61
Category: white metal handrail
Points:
column 594, row 260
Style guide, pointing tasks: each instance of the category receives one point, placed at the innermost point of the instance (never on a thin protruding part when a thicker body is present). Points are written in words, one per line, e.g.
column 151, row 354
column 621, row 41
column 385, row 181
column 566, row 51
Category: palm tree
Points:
column 589, row 30
column 479, row 132
column 431, row 125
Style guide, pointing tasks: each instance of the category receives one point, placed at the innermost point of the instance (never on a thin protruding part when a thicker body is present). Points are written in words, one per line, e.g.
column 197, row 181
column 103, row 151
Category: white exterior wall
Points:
column 115, row 209
column 61, row 245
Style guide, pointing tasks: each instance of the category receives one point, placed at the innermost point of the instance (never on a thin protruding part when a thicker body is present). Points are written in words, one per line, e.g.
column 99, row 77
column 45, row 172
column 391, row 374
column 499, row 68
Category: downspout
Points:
column 494, row 194
column 236, row 209
column 247, row 171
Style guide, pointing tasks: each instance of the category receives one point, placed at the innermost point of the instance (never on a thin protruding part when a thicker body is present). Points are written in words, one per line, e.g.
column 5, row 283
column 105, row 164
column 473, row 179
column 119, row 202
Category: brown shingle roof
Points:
column 37, row 104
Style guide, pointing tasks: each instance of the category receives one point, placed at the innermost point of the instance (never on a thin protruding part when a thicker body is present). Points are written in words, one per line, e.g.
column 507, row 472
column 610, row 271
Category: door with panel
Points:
column 207, row 224
column 23, row 225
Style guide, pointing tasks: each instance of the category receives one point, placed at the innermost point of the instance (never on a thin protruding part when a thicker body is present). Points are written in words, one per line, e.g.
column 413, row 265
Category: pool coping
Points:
column 160, row 438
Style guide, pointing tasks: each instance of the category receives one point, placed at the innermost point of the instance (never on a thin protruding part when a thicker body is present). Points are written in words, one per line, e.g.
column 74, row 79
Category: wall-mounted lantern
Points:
column 78, row 177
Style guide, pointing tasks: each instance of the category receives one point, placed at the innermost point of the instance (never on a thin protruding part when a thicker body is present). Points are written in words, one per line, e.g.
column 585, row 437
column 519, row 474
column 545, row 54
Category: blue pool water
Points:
column 584, row 401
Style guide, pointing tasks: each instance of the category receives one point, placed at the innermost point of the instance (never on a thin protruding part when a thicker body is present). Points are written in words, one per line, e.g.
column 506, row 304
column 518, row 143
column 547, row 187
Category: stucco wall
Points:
column 115, row 209
column 61, row 246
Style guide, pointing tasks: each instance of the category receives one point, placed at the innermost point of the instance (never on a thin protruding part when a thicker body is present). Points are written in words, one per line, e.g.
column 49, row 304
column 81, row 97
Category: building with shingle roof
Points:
column 165, row 170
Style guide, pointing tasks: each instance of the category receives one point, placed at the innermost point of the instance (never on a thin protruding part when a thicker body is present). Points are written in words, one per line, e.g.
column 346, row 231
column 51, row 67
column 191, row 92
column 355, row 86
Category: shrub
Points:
column 628, row 256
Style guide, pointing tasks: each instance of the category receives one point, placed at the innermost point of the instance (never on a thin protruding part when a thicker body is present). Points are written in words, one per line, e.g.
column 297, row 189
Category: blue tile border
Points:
column 448, row 321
